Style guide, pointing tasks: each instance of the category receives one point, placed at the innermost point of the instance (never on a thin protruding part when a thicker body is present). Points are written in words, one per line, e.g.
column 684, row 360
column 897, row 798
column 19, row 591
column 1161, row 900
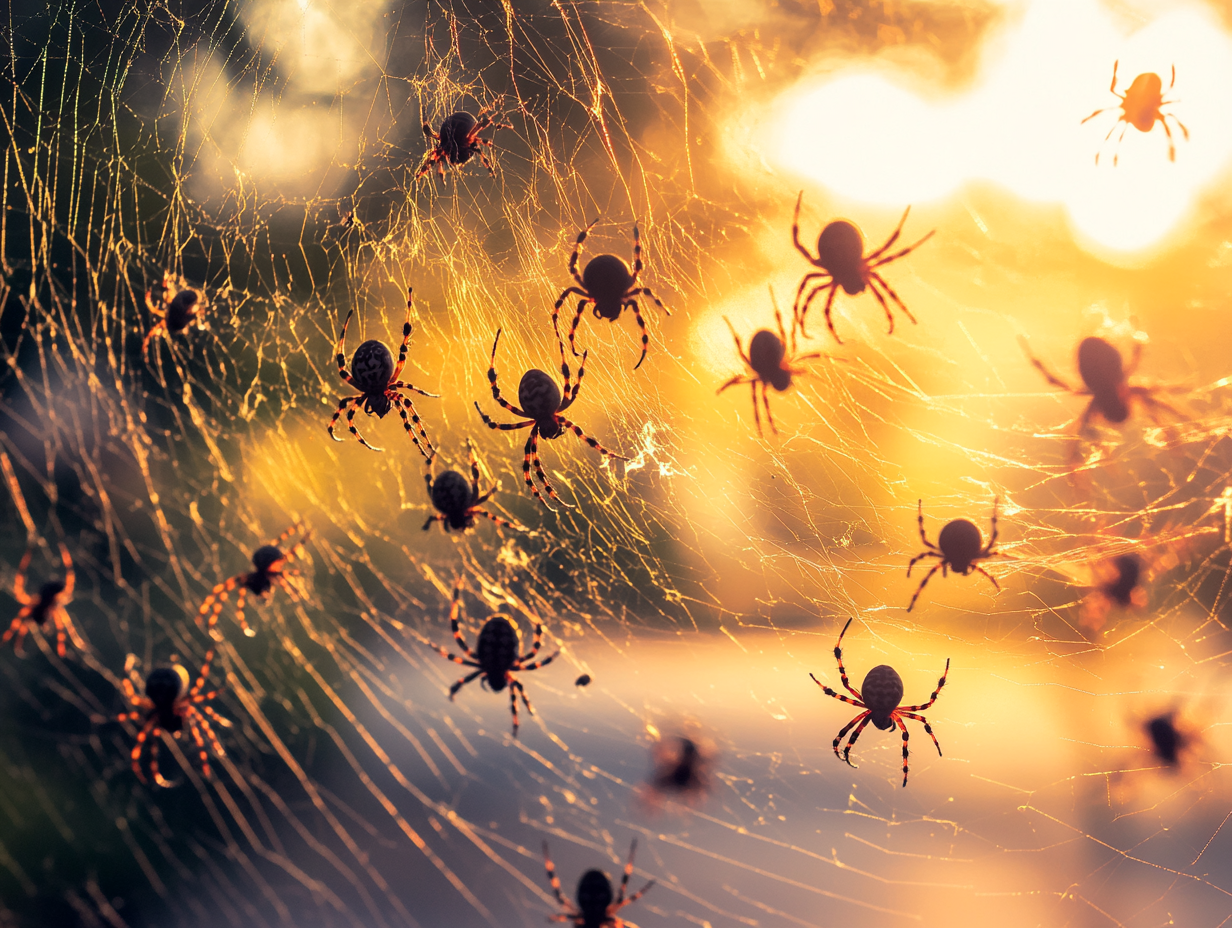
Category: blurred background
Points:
column 265, row 153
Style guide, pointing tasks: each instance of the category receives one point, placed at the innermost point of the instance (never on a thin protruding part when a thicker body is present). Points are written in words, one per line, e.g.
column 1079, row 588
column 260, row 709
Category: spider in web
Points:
column 457, row 500
column 496, row 655
column 958, row 547
column 1141, row 106
column 1168, row 742
column 542, row 404
column 682, row 766
column 458, row 141
column 770, row 363
column 882, row 689
column 167, row 705
column 595, row 906
column 178, row 306
column 840, row 255
column 1121, row 588
column 52, row 597
column 374, row 375
column 269, row 570
column 607, row 283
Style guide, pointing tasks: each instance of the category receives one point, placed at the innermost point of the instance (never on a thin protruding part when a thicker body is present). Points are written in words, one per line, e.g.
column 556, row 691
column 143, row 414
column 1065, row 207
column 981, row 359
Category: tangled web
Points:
column 266, row 154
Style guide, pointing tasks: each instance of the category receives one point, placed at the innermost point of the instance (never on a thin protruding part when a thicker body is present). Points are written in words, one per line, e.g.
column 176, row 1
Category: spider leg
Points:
column 426, row 448
column 403, row 385
column 839, row 696
column 427, row 131
column 1168, row 132
column 735, row 381
column 753, row 381
column 132, row 682
column 590, row 441
column 1144, row 395
column 543, row 663
column 903, row 726
column 444, row 520
column 829, row 307
column 339, row 356
column 342, row 404
column 920, row 519
column 1181, row 125
column 1096, row 113
column 795, row 236
column 923, row 583
column 933, row 698
column 577, row 250
column 902, row 251
column 354, row 430
column 18, row 627
column 838, row 656
column 851, row 743
column 646, row 290
column 159, row 327
column 981, row 570
column 796, row 311
column 1115, row 64
column 483, row 159
column 765, row 402
column 1116, row 154
column 470, row 453
column 554, row 880
column 927, row 728
column 142, row 735
column 876, row 280
column 532, row 456
column 240, row 599
column 536, row 643
column 453, row 690
column 872, row 286
column 492, row 380
column 1052, row 378
column 70, row 576
column 861, row 717
column 566, row 398
column 514, row 686
column 497, row 519
column 60, row 619
column 212, row 606
column 455, row 610
column 502, row 426
column 159, row 779
column 621, row 901
column 577, row 318
column 868, row 259
column 641, row 324
column 993, row 538
column 19, row 582
column 739, row 347
column 205, row 672
column 199, row 741
column 920, row 557
column 406, row 335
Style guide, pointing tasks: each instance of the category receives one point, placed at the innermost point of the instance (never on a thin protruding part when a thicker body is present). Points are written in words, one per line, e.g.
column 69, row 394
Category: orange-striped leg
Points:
column 854, row 735
column 838, row 656
column 240, row 599
column 933, row 698
column 455, row 610
column 211, row 608
column 641, row 324
column 426, row 449
column 928, row 728
column 199, row 741
column 829, row 692
column 135, row 756
column 205, row 672
column 462, row 681
column 862, row 717
column 503, row 426
column 567, row 398
column 492, row 381
column 532, row 451
column 513, row 707
column 351, row 427
column 538, row 664
column 497, row 519
column 536, row 643
column 19, row 628
column 155, row 773
column 554, row 881
column 590, row 441
column 903, row 726
column 577, row 316
column 339, row 356
column 406, row 334
column 991, row 578
column 342, row 404
column 765, row 402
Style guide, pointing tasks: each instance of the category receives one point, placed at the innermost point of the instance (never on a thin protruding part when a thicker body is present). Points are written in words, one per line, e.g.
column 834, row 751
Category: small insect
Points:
column 496, row 655
column 457, row 500
column 770, row 363
column 178, row 306
column 374, row 375
column 458, row 141
column 882, row 689
column 167, row 705
column 1107, row 382
column 1122, row 588
column 52, row 597
column 607, row 283
column 595, row 906
column 269, row 570
column 958, row 547
column 583, row 680
column 542, row 404
column 840, row 255
column 1141, row 107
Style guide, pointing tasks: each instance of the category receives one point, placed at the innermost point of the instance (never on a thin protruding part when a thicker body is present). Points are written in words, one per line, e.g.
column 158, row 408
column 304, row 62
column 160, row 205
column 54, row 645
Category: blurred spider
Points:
column 595, row 907
column 1121, row 588
column 1169, row 742
column 1107, row 382
column 268, row 571
column 583, row 680
column 882, row 689
column 607, row 282
column 682, row 765
column 167, row 704
column 1141, row 107
column 178, row 306
column 457, row 500
column 496, row 655
column 52, row 597
column 840, row 255
column 768, row 360
column 958, row 546
column 542, row 404
column 374, row 375
column 459, row 140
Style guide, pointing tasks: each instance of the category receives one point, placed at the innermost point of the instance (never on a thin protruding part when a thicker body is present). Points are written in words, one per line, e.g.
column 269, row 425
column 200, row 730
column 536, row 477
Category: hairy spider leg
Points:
column 829, row 692
column 928, row 728
column 590, row 441
column 495, row 389
column 356, row 403
column 923, row 583
column 903, row 725
column 536, row 643
column 455, row 610
column 838, row 656
column 406, row 335
column 340, row 358
column 426, row 448
column 554, row 881
column 531, row 456
column 920, row 557
column 537, row 664
column 933, row 698
column 864, row 718
column 516, row 689
column 567, row 397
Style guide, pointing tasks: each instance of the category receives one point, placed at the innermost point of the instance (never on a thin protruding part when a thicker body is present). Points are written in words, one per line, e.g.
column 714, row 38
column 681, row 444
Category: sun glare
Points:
column 872, row 136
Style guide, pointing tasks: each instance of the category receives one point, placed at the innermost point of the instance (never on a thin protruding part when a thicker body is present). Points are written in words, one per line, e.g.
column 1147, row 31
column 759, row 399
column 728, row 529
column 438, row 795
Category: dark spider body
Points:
column 458, row 141
column 843, row 263
column 766, row 353
column 456, row 144
column 958, row 546
column 265, row 559
column 682, row 766
column 457, row 500
column 611, row 285
column 48, row 600
column 174, row 313
column 597, row 904
column 269, row 570
column 1166, row 741
column 163, row 687
column 372, row 367
column 879, row 698
column 1141, row 106
column 540, row 399
column 1129, row 574
column 47, row 605
column 181, row 311
column 583, row 680
column 497, row 651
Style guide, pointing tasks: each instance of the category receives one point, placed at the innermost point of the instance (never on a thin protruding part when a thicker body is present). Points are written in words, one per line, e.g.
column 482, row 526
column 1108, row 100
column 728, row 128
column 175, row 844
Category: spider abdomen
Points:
column 497, row 651
column 456, row 143
column 163, row 687
column 181, row 310
column 1129, row 572
column 540, row 398
column 882, row 691
column 607, row 279
column 1103, row 372
column 766, row 353
column 840, row 251
column 1142, row 101
column 452, row 495
column 372, row 368
column 960, row 542
column 1165, row 739
column 48, row 595
column 594, row 895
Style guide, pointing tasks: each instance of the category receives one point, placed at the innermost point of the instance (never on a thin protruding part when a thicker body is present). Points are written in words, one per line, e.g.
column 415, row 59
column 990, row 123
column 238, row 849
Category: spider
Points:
column 542, row 405
column 1107, row 382
column 1122, row 588
column 459, row 140
column 457, row 500
column 48, row 604
column 1167, row 741
column 882, row 689
column 1141, row 107
column 840, row 255
column 180, row 306
column 595, row 907
column 268, row 563
column 376, row 378
column 607, row 282
column 958, row 546
column 496, row 655
column 768, row 360
column 167, row 704
column 583, row 680
column 681, row 771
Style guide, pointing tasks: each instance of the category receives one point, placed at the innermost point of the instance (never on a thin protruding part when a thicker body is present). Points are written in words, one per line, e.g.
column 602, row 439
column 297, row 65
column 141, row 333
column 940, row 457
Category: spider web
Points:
column 266, row 153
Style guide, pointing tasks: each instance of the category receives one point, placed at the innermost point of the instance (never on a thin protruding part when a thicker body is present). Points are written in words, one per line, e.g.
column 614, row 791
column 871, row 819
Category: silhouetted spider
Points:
column 682, row 765
column 1122, row 588
column 52, row 597
column 882, row 690
column 374, row 375
column 768, row 360
column 459, row 140
column 595, row 907
column 1140, row 107
column 495, row 654
column 268, row 571
column 457, row 500
column 840, row 255
column 606, row 282
column 542, row 404
column 1167, row 741
column 958, row 546
column 167, row 704
column 178, row 306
